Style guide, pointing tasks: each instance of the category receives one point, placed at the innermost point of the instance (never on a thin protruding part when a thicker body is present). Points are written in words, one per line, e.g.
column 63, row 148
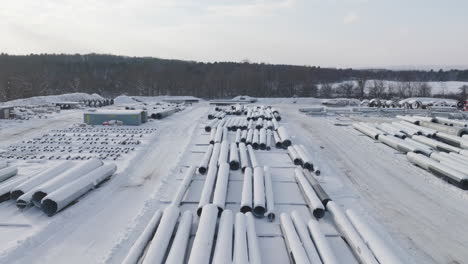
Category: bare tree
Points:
column 377, row 89
column 424, row 89
column 463, row 92
column 361, row 85
column 345, row 89
column 326, row 90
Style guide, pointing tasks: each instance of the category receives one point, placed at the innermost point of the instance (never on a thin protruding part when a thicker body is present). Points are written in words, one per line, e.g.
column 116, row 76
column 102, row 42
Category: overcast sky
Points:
column 338, row 33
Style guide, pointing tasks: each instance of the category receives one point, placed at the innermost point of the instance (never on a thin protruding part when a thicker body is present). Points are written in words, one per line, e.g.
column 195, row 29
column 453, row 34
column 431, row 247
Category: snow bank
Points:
column 290, row 100
column 123, row 99
column 40, row 100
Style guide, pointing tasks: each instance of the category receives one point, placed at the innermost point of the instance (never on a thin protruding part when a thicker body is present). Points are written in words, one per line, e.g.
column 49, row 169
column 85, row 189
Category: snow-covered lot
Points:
column 420, row 217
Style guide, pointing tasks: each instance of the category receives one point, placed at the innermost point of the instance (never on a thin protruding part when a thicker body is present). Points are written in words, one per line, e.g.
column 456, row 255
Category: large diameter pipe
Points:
column 278, row 142
column 178, row 251
column 255, row 139
column 223, row 153
column 420, row 147
column 450, row 139
column 456, row 131
column 373, row 133
column 461, row 178
column 321, row 194
column 253, row 158
column 64, row 178
column 354, row 240
column 378, row 246
column 294, row 156
column 210, row 125
column 40, row 178
column 240, row 240
column 450, row 122
column 65, row 195
column 3, row 164
column 7, row 173
column 213, row 135
column 218, row 135
column 220, row 193
column 304, row 236
column 244, row 135
column 223, row 248
column 203, row 167
column 268, row 139
column 420, row 160
column 259, row 202
column 252, row 240
column 187, row 180
column 285, row 138
column 246, row 200
column 321, row 243
column 408, row 119
column 315, row 205
column 243, row 155
column 6, row 186
column 263, row 139
column 249, row 138
column 436, row 144
column 136, row 251
column 391, row 131
column 297, row 253
column 270, row 200
column 234, row 157
column 207, row 190
column 406, row 129
column 238, row 136
column 214, row 156
column 421, row 130
column 203, row 242
column 305, row 157
column 160, row 243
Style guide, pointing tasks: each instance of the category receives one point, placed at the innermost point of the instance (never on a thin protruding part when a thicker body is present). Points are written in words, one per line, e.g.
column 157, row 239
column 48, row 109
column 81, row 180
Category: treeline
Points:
column 108, row 75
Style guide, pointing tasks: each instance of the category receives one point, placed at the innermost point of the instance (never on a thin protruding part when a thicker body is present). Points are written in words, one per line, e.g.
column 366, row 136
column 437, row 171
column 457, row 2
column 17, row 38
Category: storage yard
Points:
column 265, row 181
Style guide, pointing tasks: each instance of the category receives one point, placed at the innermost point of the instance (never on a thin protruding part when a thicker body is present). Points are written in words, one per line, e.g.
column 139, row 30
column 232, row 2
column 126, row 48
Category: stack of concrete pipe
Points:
column 57, row 187
column 164, row 113
column 257, row 193
column 8, row 179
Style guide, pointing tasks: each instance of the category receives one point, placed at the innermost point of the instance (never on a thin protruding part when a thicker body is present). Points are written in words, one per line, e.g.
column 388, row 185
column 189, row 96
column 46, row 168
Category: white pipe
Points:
column 244, row 158
column 225, row 134
column 219, row 134
column 277, row 139
column 378, row 246
column 275, row 124
column 234, row 157
column 373, row 133
column 203, row 242
column 321, row 242
column 203, row 167
column 249, row 138
column 207, row 188
column 240, row 240
column 294, row 156
column 6, row 186
column 422, row 148
column 408, row 119
column 212, row 135
column 223, row 249
column 136, row 251
column 296, row 251
column 65, row 195
column 220, row 192
column 451, row 139
column 268, row 139
column 178, row 251
column 253, row 158
column 259, row 192
column 305, row 156
column 420, row 160
column 238, row 136
column 436, row 144
column 255, row 139
column 263, row 139
column 423, row 130
column 183, row 187
column 214, row 156
column 392, row 129
column 3, row 164
column 246, row 200
column 7, row 173
column 315, row 205
column 446, row 121
column 223, row 153
column 456, row 131
column 285, row 138
column 49, row 186
column 406, row 129
column 304, row 236
column 253, row 247
column 356, row 243
column 270, row 201
column 244, row 135
column 160, row 242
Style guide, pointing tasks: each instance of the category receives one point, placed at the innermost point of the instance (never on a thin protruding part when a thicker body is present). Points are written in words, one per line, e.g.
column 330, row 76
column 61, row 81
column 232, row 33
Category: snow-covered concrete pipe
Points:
column 270, row 200
column 203, row 166
column 238, row 136
column 220, row 192
column 136, row 251
column 268, row 139
column 450, row 122
column 420, row 160
column 294, row 156
column 321, row 194
column 51, row 185
column 321, row 243
column 6, row 186
column 183, row 187
column 420, row 147
column 453, row 175
column 307, row 162
column 297, row 253
column 246, row 199
column 406, row 129
column 424, row 118
column 373, row 133
column 456, row 131
column 354, row 240
column 234, row 161
column 213, row 135
column 315, row 205
column 252, row 240
column 3, row 164
column 262, row 139
column 7, row 173
column 436, row 144
column 428, row 132
column 207, row 190
column 459, row 157
column 203, row 242
column 284, row 135
column 388, row 129
column 304, row 236
column 68, row 193
column 253, row 157
column 244, row 157
column 244, row 135
column 249, row 138
column 259, row 202
column 214, row 156
column 275, row 124
column 408, row 119
column 164, row 113
column 223, row 153
column 278, row 142
column 240, row 240
column 218, row 135
column 450, row 139
column 211, row 125
column 223, row 248
column 160, row 242
column 178, row 251
column 255, row 139
column 381, row 250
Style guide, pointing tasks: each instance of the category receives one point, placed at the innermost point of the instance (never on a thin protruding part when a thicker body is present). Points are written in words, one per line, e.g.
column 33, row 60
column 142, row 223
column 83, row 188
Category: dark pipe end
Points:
column 262, row 146
column 220, row 211
column 49, row 207
column 21, row 204
column 317, row 172
column 286, row 143
column 319, row 213
column 464, row 184
column 199, row 211
column 271, row 217
column 212, row 142
column 207, row 129
column 16, row 194
column 243, row 140
column 255, row 146
column 259, row 211
column 234, row 165
column 298, row 162
column 309, row 166
column 325, row 201
column 246, row 209
column 279, row 145
column 202, row 170
column 37, row 197
column 5, row 197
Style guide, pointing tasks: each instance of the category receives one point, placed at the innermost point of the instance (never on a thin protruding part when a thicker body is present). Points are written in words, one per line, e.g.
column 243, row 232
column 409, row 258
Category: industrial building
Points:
column 6, row 112
column 127, row 117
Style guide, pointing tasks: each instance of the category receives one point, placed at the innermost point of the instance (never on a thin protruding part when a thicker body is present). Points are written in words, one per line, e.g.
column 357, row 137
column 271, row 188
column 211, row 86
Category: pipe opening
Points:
column 279, row 145
column 49, row 207
column 298, row 161
column 199, row 211
column 262, row 146
column 319, row 213
column 21, row 204
column 246, row 209
column 37, row 197
column 234, row 165
column 16, row 194
column 202, row 170
column 271, row 217
column 287, row 143
column 464, row 184
column 255, row 146
column 259, row 211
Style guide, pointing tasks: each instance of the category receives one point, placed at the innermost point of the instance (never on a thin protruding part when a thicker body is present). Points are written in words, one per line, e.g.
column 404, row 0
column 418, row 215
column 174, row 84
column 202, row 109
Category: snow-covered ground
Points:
column 40, row 100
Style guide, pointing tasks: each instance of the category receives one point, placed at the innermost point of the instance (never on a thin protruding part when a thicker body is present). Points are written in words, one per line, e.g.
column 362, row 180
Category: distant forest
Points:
column 109, row 75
